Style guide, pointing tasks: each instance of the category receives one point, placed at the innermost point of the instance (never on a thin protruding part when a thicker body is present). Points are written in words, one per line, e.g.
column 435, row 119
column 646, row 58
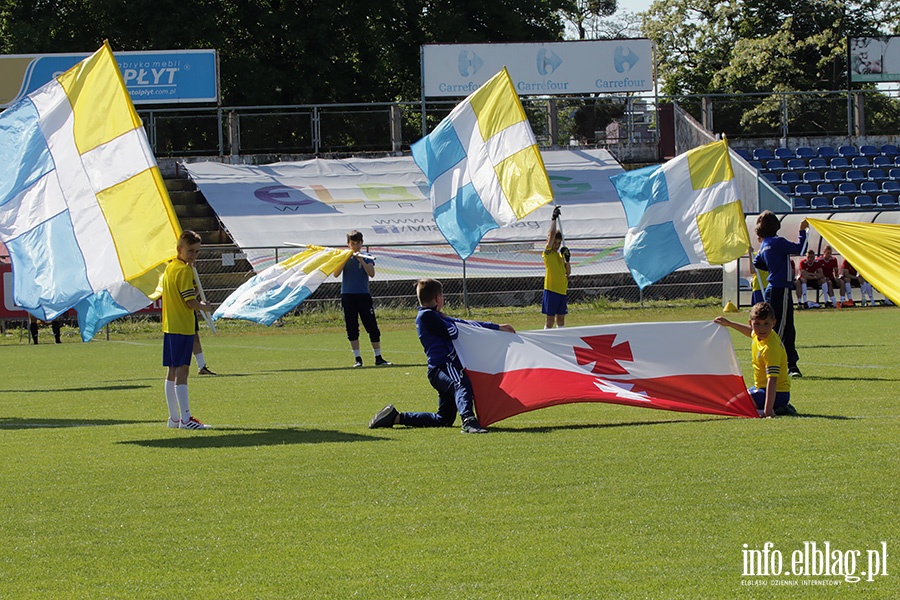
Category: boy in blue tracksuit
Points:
column 774, row 256
column 445, row 371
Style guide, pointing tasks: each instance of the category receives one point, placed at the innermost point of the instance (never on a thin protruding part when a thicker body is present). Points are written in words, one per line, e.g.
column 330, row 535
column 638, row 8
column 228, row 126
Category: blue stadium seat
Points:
column 798, row 164
column 784, row 153
column 842, row 202
column 876, row 175
column 848, row 151
column 848, row 189
column 894, row 174
column 834, row 176
column 882, row 162
column 890, row 187
column 771, row 177
column 790, row 178
column 799, row 203
column 818, row 164
column 868, row 150
column 826, row 189
column 784, row 189
column 863, row 201
column 819, row 203
column 860, row 162
column 826, row 152
column 839, row 162
column 756, row 164
column 812, row 177
column 805, row 190
column 897, row 161
column 890, row 150
column 762, row 154
column 775, row 165
column 743, row 153
column 869, row 187
column 854, row 175
column 806, row 153
column 886, row 201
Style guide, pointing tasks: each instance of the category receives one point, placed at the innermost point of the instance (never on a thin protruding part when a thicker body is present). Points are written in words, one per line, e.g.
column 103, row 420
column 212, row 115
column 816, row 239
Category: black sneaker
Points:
column 786, row 411
column 471, row 425
column 384, row 417
column 380, row 362
column 794, row 372
column 358, row 362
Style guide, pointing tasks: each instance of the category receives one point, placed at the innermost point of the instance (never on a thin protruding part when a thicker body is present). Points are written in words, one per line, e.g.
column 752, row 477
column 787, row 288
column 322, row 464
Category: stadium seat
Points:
column 894, row 174
column 882, row 162
column 839, row 162
column 806, row 153
column 868, row 150
column 848, row 189
column 798, row 164
column 826, row 152
column 848, row 151
column 756, row 164
column 890, row 150
column 784, row 189
column 869, row 187
column 854, row 175
column 762, row 154
column 799, row 203
column 804, row 190
column 897, row 161
column 890, row 187
column 784, row 153
column 826, row 189
column 775, row 165
column 820, row 203
column 812, row 177
column 818, row 164
column 790, row 178
column 743, row 153
column 771, row 177
column 876, row 175
column 860, row 162
column 863, row 201
column 842, row 202
column 833, row 176
column 886, row 201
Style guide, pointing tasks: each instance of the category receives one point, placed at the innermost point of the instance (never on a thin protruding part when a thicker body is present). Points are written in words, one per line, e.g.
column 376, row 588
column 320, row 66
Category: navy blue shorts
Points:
column 759, row 398
column 554, row 304
column 177, row 349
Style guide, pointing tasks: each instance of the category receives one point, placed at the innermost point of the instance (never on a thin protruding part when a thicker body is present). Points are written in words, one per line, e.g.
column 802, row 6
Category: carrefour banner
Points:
column 552, row 68
column 318, row 201
column 153, row 77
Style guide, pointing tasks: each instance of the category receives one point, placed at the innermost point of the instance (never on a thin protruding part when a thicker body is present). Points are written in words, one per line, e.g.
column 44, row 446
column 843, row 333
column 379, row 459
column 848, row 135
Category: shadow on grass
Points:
column 577, row 427
column 93, row 388
column 367, row 367
column 831, row 417
column 249, row 438
column 11, row 423
column 821, row 378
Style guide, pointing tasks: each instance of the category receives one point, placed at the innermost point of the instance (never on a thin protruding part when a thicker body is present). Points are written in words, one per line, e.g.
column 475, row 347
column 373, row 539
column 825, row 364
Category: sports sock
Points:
column 201, row 362
column 357, row 353
column 172, row 401
column 848, row 289
column 377, row 352
column 803, row 289
column 181, row 392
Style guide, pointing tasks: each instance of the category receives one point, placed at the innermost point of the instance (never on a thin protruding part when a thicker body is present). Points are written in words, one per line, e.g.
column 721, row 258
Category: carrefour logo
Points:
column 624, row 59
column 469, row 63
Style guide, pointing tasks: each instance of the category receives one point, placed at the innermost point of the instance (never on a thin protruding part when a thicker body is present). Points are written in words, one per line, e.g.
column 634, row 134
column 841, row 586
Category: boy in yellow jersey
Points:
column 179, row 301
column 771, row 389
column 556, row 281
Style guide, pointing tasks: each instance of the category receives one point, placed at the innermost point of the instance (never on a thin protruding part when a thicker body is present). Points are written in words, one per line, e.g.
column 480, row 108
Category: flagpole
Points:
column 209, row 322
column 466, row 291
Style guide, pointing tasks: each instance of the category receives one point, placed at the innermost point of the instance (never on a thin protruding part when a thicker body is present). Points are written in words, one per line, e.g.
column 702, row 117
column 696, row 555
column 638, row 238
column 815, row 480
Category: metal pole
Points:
column 466, row 291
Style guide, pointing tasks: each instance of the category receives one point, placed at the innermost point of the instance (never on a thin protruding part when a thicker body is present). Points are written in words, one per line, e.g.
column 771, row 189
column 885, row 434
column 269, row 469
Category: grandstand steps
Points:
column 194, row 212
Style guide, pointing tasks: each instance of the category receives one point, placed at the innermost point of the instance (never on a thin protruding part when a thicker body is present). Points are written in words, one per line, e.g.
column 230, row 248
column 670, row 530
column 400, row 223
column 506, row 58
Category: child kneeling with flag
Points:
column 771, row 391
column 445, row 371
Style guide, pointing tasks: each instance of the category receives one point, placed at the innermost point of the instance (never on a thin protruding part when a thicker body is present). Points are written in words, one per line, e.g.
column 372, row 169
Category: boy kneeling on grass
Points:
column 772, row 384
column 445, row 371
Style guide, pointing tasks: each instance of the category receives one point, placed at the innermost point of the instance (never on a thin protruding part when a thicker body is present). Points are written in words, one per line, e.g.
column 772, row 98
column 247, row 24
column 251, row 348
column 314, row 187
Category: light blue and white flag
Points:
column 483, row 165
column 280, row 288
column 684, row 212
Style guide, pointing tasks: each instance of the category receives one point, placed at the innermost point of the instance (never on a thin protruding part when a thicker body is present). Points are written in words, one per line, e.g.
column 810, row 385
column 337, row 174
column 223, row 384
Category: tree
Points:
column 581, row 13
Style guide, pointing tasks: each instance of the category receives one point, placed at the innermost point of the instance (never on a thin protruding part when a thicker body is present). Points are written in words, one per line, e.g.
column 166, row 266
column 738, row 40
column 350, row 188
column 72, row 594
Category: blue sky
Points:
column 634, row 5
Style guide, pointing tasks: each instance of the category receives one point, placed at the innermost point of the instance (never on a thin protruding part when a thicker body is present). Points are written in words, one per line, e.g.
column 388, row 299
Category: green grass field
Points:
column 291, row 496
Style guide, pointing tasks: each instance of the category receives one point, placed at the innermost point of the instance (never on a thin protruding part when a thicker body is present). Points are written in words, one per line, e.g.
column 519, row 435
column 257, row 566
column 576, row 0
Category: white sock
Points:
column 357, row 353
column 181, row 392
column 201, row 362
column 803, row 289
column 377, row 352
column 172, row 401
column 848, row 290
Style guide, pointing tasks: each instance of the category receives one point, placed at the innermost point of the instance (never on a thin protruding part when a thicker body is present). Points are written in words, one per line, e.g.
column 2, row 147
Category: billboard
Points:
column 874, row 59
column 152, row 77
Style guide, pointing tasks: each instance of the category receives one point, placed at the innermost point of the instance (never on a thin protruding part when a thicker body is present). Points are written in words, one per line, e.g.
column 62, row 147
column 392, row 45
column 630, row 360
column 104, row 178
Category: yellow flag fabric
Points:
column 872, row 248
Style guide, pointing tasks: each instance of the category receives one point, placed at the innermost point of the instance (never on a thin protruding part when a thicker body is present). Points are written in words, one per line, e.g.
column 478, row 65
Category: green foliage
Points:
column 291, row 496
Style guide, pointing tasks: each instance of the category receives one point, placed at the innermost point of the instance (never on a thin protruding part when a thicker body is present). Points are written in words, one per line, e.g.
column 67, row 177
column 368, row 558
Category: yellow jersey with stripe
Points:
column 770, row 360
column 177, row 289
column 555, row 280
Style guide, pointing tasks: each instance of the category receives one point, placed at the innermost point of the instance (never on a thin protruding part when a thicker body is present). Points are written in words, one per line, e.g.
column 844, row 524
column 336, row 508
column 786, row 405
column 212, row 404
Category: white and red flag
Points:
column 686, row 367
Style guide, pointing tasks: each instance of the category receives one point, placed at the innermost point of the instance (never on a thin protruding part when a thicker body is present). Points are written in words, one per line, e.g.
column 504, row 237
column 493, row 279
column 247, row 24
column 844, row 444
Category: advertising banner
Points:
column 874, row 59
column 152, row 77
column 552, row 68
